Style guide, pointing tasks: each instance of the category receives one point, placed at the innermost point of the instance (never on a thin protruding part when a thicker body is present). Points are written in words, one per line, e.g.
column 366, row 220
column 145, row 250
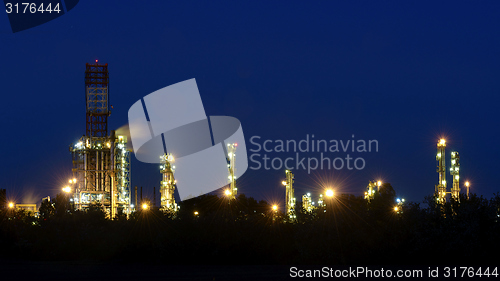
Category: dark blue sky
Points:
column 402, row 73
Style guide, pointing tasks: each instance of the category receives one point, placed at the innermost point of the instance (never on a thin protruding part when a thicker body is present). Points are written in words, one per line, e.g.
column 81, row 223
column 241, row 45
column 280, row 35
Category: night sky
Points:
column 404, row 74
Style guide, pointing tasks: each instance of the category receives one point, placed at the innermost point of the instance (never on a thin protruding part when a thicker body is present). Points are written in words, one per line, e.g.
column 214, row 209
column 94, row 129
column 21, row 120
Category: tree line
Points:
column 213, row 230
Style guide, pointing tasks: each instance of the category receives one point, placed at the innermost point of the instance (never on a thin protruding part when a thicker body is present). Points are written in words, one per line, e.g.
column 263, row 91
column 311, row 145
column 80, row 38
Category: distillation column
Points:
column 167, row 185
column 441, row 169
column 455, row 173
column 231, row 154
column 290, row 199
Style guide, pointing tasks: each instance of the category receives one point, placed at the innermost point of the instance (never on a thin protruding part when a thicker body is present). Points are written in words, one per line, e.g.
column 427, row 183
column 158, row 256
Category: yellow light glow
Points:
column 11, row 205
column 145, row 206
column 275, row 207
column 66, row 189
column 442, row 142
column 329, row 193
column 227, row 192
column 467, row 183
column 379, row 183
column 283, row 182
column 196, row 213
column 396, row 209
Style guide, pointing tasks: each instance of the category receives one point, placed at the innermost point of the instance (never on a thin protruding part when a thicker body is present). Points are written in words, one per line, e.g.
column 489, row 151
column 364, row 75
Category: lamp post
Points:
column 67, row 191
column 399, row 207
column 275, row 211
column 467, row 184
column 329, row 194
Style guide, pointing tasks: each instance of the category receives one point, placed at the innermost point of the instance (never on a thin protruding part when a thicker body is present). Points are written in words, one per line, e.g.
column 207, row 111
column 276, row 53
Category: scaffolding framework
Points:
column 97, row 99
column 101, row 167
column 167, row 184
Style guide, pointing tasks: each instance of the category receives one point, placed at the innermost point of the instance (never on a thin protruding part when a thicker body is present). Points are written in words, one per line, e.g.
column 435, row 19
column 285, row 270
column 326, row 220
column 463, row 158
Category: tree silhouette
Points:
column 46, row 210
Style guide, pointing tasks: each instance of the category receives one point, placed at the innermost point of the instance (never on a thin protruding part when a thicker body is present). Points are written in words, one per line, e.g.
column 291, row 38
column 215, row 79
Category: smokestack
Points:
column 136, row 196
column 141, row 194
column 112, row 191
column 154, row 196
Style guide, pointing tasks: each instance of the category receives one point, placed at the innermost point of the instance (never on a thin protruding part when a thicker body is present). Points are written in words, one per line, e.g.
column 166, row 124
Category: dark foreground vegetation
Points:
column 348, row 231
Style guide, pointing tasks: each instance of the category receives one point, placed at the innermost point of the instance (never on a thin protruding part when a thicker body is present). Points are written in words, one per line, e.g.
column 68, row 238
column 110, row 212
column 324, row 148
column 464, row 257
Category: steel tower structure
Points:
column 440, row 188
column 97, row 99
column 455, row 173
column 290, row 199
column 167, row 186
column 101, row 163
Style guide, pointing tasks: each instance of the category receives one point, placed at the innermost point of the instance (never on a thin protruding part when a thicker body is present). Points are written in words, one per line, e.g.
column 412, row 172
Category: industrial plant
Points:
column 232, row 191
column 101, row 161
column 441, row 188
column 102, row 173
column 289, row 197
column 167, row 187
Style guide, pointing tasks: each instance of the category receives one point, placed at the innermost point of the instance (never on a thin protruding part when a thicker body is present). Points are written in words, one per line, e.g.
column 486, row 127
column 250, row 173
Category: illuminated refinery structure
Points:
column 455, row 173
column 321, row 201
column 307, row 203
column 399, row 206
column 289, row 199
column 441, row 170
column 168, row 182
column 370, row 189
column 101, row 162
column 231, row 155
